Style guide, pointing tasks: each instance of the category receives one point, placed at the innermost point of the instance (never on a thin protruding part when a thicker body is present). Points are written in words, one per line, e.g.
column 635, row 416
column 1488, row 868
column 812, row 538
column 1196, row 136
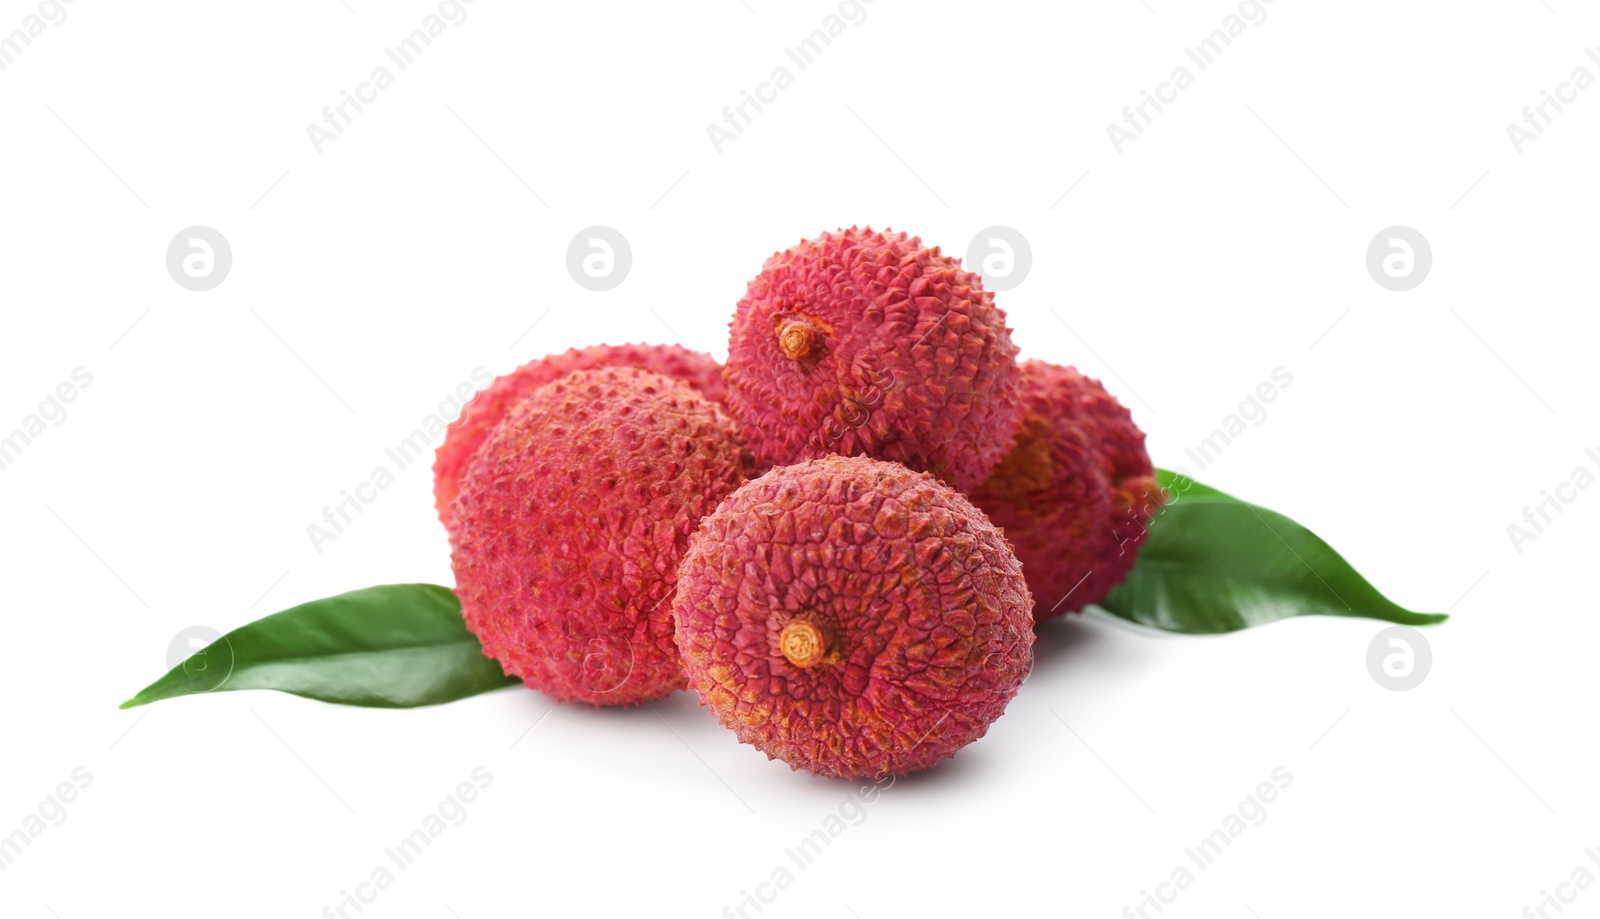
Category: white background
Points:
column 372, row 278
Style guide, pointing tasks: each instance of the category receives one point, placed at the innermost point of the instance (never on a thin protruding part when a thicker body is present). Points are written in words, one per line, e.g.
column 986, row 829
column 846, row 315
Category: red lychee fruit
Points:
column 570, row 525
column 479, row 417
column 853, row 618
column 1075, row 491
column 869, row 344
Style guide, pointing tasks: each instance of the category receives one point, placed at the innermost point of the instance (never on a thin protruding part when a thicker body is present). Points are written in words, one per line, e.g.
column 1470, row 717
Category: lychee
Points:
column 1075, row 491
column 863, row 343
column 853, row 618
column 479, row 417
column 570, row 525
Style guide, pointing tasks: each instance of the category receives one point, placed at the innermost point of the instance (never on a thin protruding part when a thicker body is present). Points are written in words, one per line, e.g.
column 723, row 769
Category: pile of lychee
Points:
column 841, row 538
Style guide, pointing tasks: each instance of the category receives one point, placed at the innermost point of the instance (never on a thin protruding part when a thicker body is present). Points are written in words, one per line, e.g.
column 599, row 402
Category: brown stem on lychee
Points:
column 803, row 644
column 799, row 339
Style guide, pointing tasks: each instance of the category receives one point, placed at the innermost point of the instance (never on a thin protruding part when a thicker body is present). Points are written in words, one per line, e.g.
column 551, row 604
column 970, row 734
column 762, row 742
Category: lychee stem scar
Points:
column 803, row 644
column 798, row 339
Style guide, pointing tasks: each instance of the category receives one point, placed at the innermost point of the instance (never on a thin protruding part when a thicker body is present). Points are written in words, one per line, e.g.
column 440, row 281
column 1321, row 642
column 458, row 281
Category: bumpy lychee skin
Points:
column 479, row 417
column 571, row 523
column 853, row 618
column 869, row 344
column 1075, row 492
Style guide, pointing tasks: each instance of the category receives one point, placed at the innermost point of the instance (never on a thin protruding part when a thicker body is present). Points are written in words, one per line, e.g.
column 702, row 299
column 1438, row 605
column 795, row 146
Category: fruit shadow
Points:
column 1062, row 637
column 1055, row 641
column 680, row 710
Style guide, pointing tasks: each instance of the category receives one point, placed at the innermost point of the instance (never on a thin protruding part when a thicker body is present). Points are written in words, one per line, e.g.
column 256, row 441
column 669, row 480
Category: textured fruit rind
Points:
column 571, row 523
column 925, row 617
column 478, row 418
column 864, row 343
column 1076, row 490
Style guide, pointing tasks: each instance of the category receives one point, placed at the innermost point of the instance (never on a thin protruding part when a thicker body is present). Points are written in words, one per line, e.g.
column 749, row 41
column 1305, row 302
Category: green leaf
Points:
column 392, row 646
column 1213, row 563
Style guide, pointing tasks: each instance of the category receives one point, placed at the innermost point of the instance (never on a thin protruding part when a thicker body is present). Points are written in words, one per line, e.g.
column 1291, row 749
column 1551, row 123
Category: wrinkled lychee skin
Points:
column 1075, row 492
column 479, row 417
column 853, row 618
column 863, row 343
column 570, row 525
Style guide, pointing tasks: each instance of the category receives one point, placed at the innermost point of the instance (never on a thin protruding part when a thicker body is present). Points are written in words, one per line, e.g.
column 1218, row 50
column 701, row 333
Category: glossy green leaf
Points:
column 1213, row 563
column 393, row 646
